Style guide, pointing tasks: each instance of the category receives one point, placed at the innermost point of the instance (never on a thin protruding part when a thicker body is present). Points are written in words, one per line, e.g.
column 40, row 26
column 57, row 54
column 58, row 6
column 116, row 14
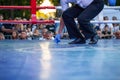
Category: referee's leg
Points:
column 68, row 16
column 88, row 14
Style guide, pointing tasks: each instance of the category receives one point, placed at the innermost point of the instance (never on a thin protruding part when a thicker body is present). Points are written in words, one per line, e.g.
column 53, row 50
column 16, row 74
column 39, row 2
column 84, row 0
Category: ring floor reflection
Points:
column 45, row 60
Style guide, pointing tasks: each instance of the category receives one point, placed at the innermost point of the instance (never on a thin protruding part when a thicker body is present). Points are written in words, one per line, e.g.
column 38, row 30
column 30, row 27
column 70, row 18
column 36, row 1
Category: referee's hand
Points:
column 57, row 38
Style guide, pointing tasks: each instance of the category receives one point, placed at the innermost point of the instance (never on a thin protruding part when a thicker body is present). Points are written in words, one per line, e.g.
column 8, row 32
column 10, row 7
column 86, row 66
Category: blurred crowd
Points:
column 47, row 31
column 26, row 31
column 108, row 30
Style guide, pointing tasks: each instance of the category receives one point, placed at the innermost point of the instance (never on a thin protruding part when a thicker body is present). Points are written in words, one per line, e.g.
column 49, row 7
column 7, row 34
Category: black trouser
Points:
column 83, row 16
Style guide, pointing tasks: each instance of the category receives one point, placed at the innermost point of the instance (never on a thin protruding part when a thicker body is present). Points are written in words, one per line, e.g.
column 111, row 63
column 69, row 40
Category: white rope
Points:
column 99, row 22
column 106, row 7
column 112, row 7
column 109, row 21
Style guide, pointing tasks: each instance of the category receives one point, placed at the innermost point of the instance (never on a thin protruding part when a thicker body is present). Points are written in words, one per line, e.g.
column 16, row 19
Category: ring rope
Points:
column 27, row 7
column 27, row 22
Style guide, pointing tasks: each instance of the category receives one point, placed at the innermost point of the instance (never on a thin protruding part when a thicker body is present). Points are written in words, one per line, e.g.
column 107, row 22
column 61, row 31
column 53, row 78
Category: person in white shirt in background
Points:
column 84, row 11
column 110, row 26
column 116, row 26
column 29, row 33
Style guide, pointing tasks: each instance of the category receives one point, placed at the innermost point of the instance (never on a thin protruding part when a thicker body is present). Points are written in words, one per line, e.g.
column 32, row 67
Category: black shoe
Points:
column 94, row 39
column 78, row 41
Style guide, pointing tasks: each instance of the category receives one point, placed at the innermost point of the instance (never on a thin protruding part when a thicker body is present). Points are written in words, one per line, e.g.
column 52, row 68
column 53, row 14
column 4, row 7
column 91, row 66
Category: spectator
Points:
column 51, row 27
column 44, row 34
column 36, row 34
column 117, row 34
column 44, row 31
column 29, row 33
column 25, row 25
column 6, row 29
column 2, row 37
column 116, row 26
column 40, row 27
column 49, row 35
column 23, row 35
column 106, row 34
column 114, row 18
column 14, row 35
column 110, row 26
column 33, row 26
column 19, row 27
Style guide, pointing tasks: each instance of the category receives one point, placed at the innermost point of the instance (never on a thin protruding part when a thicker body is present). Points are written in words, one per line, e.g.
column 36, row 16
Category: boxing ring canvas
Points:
column 45, row 60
